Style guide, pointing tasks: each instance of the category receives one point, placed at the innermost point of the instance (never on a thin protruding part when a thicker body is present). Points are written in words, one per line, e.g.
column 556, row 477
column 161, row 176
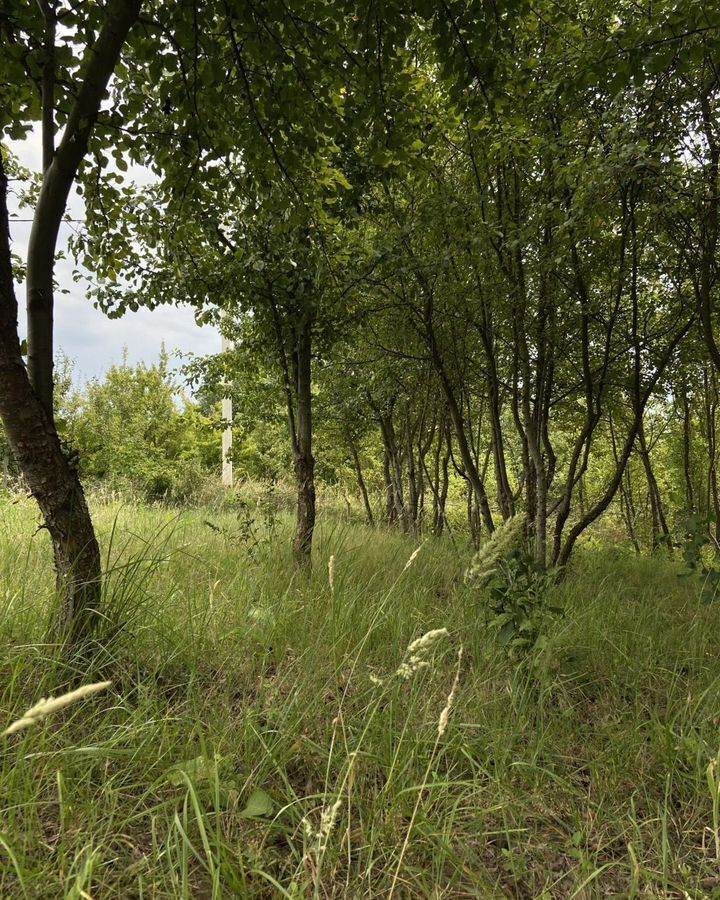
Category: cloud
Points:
column 82, row 332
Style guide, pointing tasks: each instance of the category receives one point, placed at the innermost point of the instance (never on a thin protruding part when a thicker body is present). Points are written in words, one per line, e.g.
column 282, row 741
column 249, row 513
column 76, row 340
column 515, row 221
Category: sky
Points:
column 84, row 334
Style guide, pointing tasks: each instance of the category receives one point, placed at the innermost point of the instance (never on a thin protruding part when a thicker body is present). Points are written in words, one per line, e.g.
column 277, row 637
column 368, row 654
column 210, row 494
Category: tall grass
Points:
column 258, row 740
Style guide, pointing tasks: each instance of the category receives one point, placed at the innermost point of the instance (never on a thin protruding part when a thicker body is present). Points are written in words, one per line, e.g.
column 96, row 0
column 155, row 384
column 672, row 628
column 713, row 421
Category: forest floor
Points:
column 257, row 740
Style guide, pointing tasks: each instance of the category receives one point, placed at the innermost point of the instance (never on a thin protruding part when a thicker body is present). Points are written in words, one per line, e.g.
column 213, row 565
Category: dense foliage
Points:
column 497, row 248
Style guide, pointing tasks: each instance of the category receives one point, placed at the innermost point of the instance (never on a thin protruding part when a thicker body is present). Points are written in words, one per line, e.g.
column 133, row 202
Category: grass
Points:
column 257, row 741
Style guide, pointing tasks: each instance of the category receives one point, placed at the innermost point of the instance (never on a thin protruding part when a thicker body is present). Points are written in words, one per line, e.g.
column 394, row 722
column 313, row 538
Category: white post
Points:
column 227, row 414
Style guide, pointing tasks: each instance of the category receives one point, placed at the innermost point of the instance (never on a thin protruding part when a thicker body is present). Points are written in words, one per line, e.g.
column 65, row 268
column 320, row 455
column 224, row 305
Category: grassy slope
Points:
column 237, row 675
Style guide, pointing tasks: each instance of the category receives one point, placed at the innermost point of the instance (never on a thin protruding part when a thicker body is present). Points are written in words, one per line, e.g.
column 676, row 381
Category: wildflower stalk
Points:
column 504, row 540
column 418, row 651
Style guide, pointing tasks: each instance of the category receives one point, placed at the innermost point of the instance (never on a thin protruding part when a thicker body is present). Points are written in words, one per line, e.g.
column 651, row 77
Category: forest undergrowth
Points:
column 359, row 731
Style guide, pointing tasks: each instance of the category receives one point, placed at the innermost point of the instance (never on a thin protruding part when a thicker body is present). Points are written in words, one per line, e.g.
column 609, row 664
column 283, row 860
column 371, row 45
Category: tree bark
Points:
column 392, row 467
column 627, row 506
column 439, row 479
column 304, row 461
column 444, row 488
column 6, row 468
column 656, row 505
column 606, row 498
column 687, row 462
column 26, row 394
column 412, row 481
column 390, row 505
column 711, row 402
column 505, row 495
column 49, row 474
column 704, row 280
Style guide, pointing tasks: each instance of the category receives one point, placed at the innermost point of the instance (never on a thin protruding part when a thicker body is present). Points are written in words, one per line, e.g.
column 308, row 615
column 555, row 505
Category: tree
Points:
column 259, row 166
column 26, row 402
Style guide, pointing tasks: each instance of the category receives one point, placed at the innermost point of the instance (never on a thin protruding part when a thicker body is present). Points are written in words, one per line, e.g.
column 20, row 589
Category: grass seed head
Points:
column 418, row 651
column 413, row 557
column 49, row 705
column 445, row 714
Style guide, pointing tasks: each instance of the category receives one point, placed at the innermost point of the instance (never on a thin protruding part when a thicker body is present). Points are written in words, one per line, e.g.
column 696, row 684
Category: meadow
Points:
column 266, row 733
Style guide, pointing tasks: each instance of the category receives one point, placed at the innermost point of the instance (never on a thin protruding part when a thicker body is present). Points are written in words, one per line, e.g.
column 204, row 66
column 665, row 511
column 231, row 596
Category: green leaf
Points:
column 199, row 769
column 506, row 633
column 259, row 804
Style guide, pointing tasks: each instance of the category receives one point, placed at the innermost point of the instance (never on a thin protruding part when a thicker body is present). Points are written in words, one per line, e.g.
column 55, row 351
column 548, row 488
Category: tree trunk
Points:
column 392, row 467
column 708, row 231
column 421, row 490
column 423, row 448
column 413, row 491
column 505, row 496
column 361, row 482
column 26, row 394
column 627, row 506
column 606, row 498
column 658, row 512
column 473, row 516
column 434, row 480
column 6, row 467
column 438, row 480
column 390, row 505
column 687, row 462
column 58, row 180
column 444, row 488
column 50, row 476
column 711, row 401
column 457, row 420
column 304, row 462
column 396, row 473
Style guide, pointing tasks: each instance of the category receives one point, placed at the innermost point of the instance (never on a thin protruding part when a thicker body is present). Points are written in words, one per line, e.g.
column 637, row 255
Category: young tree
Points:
column 26, row 393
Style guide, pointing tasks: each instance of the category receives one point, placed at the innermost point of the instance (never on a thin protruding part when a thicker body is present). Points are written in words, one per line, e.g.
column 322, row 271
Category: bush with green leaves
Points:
column 514, row 591
column 700, row 554
column 134, row 431
column 516, row 604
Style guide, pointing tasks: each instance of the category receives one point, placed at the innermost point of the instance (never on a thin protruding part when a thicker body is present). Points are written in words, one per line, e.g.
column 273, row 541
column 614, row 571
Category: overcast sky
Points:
column 82, row 332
